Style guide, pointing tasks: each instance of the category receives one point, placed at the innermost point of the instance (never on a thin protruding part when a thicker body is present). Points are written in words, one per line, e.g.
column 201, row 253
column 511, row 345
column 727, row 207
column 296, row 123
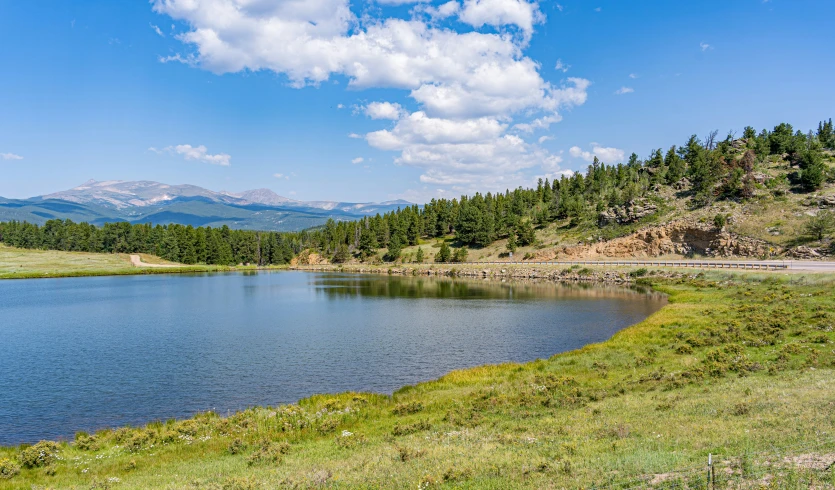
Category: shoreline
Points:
column 605, row 388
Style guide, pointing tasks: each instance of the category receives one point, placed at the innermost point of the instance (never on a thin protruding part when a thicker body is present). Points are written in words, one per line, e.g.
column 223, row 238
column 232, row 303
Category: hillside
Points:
column 766, row 195
column 152, row 202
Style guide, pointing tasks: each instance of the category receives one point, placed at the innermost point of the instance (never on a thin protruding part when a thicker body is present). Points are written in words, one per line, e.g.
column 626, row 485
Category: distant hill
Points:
column 153, row 202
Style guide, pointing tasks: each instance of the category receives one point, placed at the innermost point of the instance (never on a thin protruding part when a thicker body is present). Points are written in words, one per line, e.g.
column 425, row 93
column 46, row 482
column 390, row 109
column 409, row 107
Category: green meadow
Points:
column 738, row 366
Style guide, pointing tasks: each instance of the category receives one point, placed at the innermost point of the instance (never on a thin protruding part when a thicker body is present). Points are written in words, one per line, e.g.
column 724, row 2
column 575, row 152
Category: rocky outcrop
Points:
column 628, row 213
column 677, row 238
column 309, row 258
column 803, row 252
column 827, row 201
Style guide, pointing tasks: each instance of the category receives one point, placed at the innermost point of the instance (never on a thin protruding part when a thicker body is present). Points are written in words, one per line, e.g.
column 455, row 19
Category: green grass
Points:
column 736, row 365
column 16, row 263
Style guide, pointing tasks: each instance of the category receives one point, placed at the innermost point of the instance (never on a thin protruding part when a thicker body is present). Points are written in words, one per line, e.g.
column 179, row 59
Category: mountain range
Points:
column 98, row 202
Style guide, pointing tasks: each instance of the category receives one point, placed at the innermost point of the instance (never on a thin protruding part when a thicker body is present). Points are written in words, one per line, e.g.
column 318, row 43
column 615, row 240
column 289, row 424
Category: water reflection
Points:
column 83, row 353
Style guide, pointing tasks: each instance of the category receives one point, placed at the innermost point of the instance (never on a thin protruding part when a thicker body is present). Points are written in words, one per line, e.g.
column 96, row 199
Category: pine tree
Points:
column 511, row 242
column 444, row 253
column 419, row 257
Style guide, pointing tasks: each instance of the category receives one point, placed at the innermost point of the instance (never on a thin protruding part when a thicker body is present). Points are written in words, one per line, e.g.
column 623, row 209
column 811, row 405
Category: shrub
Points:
column 349, row 440
column 720, row 220
column 86, row 442
column 639, row 272
column 407, row 408
column 236, row 447
column 407, row 454
column 268, row 452
column 741, row 408
column 8, row 469
column 406, row 429
column 585, row 271
column 328, row 426
column 41, row 454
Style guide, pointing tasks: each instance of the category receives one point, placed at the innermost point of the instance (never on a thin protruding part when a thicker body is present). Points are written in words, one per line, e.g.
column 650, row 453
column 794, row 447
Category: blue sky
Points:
column 435, row 98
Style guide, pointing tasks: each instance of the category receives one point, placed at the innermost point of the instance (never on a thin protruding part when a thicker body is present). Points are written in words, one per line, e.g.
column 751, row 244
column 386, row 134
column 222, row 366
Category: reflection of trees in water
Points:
column 353, row 285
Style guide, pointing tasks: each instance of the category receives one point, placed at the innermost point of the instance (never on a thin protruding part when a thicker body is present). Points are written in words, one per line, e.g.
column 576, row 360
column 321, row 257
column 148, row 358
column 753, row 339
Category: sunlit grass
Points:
column 736, row 365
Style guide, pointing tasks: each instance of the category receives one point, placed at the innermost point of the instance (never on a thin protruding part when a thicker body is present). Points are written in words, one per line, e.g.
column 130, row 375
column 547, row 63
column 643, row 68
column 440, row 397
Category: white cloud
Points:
column 157, row 30
column 559, row 7
column 477, row 153
column 624, row 90
column 497, row 13
column 543, row 139
column 633, row 76
column 10, row 156
column 357, row 160
column 562, row 66
column 440, row 12
column 355, row 136
column 598, row 9
column 281, row 176
column 383, row 110
column 604, row 154
column 705, row 46
column 340, row 106
column 199, row 153
column 471, row 87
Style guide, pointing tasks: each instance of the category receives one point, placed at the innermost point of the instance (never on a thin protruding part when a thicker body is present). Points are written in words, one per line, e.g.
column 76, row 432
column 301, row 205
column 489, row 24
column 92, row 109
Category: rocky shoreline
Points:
column 552, row 273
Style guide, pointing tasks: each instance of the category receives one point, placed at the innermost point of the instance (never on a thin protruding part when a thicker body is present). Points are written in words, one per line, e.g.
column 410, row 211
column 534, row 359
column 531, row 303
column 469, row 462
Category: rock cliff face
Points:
column 676, row 238
column 628, row 213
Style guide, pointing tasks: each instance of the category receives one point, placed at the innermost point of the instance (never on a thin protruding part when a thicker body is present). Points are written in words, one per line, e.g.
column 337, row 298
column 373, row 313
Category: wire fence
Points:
column 748, row 469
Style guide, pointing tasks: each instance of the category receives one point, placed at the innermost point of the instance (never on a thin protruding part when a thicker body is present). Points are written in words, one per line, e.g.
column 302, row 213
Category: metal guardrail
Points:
column 693, row 264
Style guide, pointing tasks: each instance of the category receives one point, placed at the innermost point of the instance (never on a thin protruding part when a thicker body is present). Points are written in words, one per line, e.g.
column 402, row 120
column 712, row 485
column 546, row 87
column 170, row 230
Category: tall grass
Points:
column 736, row 365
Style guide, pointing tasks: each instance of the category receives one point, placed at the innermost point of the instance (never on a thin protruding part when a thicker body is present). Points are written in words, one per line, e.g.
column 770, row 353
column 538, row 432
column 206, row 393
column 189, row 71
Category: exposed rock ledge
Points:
column 676, row 238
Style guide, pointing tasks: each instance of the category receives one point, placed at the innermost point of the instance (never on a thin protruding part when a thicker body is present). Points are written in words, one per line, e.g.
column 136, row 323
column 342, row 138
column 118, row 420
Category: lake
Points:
column 94, row 352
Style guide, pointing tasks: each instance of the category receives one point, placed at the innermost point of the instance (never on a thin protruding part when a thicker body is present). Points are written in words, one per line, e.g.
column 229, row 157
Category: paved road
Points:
column 787, row 265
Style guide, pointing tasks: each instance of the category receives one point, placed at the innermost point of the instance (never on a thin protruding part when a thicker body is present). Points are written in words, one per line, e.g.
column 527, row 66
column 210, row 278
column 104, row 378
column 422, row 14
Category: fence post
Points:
column 710, row 471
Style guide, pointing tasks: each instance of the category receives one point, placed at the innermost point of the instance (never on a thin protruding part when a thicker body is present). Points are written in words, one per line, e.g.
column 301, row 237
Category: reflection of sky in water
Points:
column 78, row 354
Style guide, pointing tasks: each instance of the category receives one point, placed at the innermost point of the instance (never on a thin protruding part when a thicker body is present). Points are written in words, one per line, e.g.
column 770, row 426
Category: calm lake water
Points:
column 87, row 353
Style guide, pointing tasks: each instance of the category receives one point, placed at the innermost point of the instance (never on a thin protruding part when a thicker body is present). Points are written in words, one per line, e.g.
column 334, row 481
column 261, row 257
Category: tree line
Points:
column 177, row 243
column 709, row 168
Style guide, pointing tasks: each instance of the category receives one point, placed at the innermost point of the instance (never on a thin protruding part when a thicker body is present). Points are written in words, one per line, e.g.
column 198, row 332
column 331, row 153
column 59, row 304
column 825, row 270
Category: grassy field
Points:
column 737, row 365
column 16, row 263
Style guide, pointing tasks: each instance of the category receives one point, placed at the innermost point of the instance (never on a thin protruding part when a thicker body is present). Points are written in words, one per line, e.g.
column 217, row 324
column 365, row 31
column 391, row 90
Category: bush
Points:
column 41, row 454
column 8, row 469
column 236, row 447
column 86, row 442
column 639, row 273
column 406, row 429
column 720, row 220
column 407, row 408
column 268, row 452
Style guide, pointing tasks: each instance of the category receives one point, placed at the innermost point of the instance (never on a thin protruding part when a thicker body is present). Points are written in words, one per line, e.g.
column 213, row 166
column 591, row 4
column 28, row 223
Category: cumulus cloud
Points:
column 199, row 153
column 157, row 30
column 624, row 90
column 383, row 110
column 10, row 156
column 470, row 86
column 604, row 154
column 440, row 12
column 543, row 139
column 473, row 152
column 521, row 13
column 561, row 66
column 357, row 160
column 633, row 76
